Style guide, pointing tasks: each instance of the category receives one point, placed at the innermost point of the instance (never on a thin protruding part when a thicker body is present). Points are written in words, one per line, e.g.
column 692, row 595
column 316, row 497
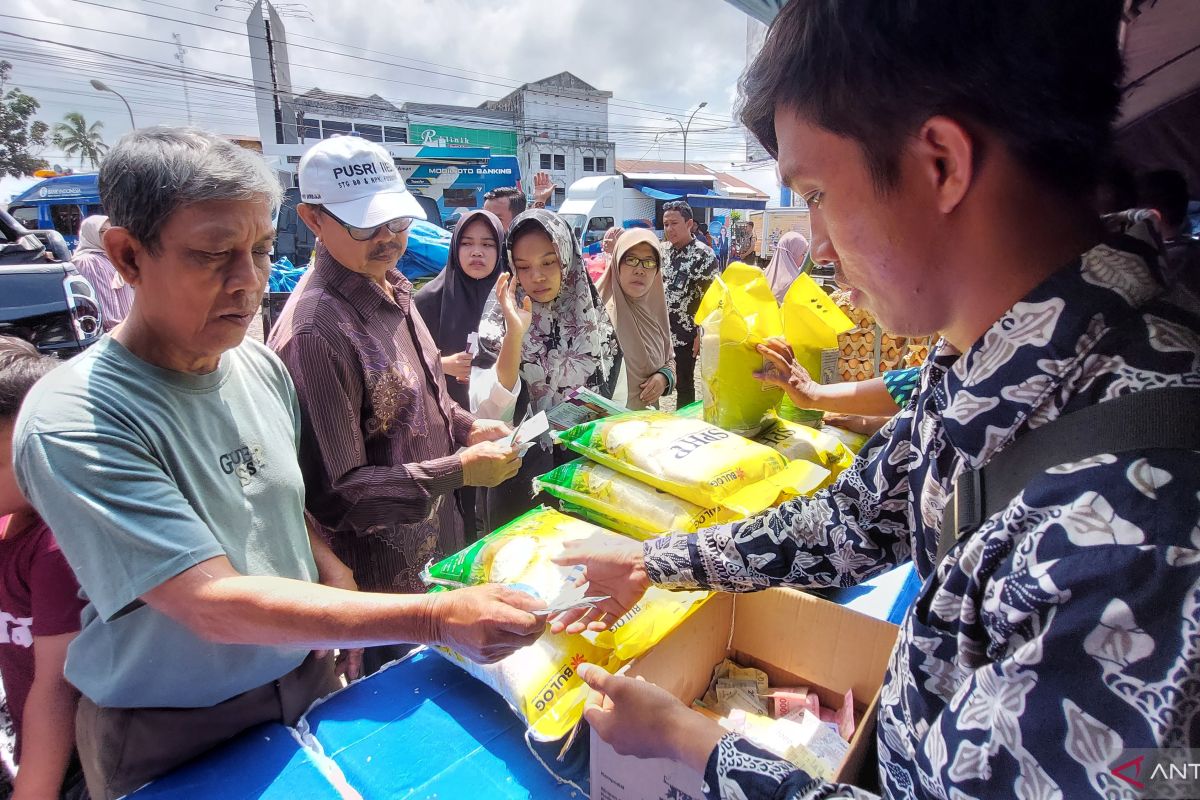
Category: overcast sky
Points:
column 657, row 57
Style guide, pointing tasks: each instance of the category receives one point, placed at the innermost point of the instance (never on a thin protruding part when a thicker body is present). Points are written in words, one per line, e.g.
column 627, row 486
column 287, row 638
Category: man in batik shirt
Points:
column 947, row 154
column 689, row 266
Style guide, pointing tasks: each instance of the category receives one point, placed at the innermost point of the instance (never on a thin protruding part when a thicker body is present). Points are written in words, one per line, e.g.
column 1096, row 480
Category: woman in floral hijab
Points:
column 543, row 332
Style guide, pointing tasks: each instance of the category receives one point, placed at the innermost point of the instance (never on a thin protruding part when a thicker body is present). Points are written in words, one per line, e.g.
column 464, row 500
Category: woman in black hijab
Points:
column 452, row 305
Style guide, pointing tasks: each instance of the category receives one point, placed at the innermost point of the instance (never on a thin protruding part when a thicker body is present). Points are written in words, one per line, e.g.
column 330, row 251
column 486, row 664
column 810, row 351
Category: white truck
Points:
column 631, row 200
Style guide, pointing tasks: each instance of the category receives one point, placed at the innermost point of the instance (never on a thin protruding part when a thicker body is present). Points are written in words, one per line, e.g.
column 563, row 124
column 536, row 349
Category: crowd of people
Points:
column 192, row 524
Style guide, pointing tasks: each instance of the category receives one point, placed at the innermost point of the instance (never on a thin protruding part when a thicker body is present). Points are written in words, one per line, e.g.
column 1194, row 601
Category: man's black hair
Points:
column 680, row 207
column 516, row 198
column 1166, row 191
column 1042, row 75
column 21, row 365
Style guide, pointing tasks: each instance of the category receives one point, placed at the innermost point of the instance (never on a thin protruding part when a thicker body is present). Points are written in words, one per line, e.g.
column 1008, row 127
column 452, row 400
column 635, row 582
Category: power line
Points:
column 507, row 85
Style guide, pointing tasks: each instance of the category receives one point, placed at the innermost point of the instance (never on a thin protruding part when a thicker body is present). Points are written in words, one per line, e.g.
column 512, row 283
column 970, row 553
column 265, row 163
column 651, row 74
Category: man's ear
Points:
column 947, row 153
column 123, row 251
column 311, row 216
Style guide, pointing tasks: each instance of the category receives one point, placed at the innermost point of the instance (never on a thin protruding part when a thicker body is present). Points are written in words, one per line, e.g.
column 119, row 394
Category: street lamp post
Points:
column 100, row 86
column 684, row 130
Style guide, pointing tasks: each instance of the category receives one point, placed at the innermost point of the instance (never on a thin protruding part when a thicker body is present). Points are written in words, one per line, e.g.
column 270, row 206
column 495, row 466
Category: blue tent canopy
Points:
column 79, row 189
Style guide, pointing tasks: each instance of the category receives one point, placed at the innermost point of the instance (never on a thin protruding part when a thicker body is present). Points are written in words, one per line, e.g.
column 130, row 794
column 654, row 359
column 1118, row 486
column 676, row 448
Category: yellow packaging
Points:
column 691, row 459
column 800, row 442
column 539, row 681
column 737, row 313
column 812, row 322
column 636, row 508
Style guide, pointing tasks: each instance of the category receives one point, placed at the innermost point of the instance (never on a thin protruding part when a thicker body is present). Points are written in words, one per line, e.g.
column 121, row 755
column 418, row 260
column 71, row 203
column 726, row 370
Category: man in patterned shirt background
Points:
column 689, row 266
column 948, row 151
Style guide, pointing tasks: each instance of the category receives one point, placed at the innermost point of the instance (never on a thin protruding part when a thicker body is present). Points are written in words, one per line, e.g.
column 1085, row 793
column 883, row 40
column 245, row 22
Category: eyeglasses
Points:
column 633, row 262
column 367, row 234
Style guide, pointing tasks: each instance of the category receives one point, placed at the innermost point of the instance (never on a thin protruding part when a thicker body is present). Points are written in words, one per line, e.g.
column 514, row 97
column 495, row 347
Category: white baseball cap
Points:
column 357, row 181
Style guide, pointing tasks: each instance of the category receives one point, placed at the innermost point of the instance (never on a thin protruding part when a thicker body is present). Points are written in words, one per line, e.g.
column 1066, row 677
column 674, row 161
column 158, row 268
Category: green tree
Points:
column 76, row 138
column 19, row 131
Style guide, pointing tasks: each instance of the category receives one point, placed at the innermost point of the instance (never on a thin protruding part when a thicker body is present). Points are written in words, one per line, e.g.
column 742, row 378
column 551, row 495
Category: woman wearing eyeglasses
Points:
column 633, row 294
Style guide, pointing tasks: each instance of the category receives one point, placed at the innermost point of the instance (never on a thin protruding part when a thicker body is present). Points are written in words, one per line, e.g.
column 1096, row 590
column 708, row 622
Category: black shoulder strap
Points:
column 1153, row 418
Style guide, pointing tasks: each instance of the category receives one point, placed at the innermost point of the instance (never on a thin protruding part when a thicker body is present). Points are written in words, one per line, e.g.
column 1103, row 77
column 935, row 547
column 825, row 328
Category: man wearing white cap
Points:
column 380, row 432
column 165, row 460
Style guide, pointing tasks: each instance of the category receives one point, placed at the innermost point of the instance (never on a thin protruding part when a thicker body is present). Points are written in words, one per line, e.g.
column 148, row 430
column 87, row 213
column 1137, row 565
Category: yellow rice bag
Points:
column 636, row 508
column 853, row 441
column 811, row 324
column 691, row 459
column 539, row 681
column 800, row 442
column 737, row 313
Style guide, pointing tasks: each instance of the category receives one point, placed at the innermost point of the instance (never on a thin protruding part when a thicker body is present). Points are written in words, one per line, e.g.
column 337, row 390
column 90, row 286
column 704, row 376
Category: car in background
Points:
column 43, row 298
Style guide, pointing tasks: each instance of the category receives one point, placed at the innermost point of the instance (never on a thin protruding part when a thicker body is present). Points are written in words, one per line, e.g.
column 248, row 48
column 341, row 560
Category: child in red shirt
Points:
column 39, row 610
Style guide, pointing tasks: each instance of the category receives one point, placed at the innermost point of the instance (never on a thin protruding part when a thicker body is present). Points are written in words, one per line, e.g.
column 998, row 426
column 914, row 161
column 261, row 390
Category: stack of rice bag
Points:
column 649, row 472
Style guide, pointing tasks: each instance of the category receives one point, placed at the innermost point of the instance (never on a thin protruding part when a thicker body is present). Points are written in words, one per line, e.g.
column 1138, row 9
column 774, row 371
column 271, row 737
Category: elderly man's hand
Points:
column 489, row 464
column 615, row 567
column 485, row 623
column 488, row 430
column 640, row 719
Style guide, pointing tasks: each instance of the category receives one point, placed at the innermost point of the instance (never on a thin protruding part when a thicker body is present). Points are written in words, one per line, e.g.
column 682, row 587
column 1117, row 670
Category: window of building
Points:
column 589, row 164
column 395, row 135
column 544, row 160
column 601, row 165
column 460, row 198
column 310, row 131
column 560, row 194
column 330, row 127
column 560, row 162
column 372, row 133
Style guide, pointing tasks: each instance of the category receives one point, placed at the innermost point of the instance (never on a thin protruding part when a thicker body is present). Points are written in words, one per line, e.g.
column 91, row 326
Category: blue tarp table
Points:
column 421, row 728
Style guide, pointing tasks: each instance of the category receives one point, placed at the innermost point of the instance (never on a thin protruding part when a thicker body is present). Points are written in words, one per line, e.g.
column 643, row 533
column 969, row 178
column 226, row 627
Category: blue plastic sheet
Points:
column 423, row 728
column 285, row 276
column 264, row 763
column 427, row 253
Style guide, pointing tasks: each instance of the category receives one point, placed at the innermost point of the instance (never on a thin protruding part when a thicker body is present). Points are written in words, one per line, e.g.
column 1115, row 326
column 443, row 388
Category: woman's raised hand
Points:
column 517, row 316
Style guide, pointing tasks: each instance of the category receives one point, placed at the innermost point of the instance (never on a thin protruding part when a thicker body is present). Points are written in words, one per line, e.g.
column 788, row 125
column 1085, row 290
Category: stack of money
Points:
column 788, row 721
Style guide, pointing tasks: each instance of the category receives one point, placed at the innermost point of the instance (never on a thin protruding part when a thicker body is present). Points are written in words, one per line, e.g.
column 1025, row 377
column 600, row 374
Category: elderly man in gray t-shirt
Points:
column 164, row 458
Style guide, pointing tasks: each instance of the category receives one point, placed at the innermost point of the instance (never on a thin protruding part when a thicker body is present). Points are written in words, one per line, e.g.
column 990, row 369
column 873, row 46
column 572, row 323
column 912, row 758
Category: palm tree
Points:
column 75, row 137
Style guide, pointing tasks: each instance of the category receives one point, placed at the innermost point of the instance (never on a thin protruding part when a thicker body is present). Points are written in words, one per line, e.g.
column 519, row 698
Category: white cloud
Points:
column 658, row 58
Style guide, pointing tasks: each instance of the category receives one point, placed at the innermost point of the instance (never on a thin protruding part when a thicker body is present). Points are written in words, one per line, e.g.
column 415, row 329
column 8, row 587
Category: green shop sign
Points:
column 502, row 143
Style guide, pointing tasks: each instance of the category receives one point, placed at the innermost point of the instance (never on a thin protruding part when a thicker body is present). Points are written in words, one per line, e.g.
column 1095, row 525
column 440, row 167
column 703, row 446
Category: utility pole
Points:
column 180, row 51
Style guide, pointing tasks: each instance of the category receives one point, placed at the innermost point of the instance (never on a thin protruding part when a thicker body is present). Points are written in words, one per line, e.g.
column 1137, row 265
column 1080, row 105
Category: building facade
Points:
column 320, row 115
column 439, row 125
column 562, row 129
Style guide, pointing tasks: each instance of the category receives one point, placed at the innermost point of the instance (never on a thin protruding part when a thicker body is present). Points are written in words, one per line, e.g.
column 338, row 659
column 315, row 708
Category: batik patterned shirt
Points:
column 688, row 271
column 1066, row 629
column 380, row 430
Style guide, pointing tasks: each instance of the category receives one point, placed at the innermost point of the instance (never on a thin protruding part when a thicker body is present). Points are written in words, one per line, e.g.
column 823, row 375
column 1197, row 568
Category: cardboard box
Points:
column 796, row 638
